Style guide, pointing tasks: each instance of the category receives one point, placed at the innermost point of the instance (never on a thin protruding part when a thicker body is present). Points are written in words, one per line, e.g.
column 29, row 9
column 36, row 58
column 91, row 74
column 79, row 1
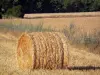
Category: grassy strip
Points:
column 72, row 33
column 24, row 28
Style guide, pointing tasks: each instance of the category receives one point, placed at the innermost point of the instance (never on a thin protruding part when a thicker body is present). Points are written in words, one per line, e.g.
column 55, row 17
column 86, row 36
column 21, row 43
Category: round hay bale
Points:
column 46, row 50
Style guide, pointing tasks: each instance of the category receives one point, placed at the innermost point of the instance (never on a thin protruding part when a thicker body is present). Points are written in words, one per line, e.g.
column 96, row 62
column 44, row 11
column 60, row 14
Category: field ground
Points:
column 86, row 23
column 81, row 61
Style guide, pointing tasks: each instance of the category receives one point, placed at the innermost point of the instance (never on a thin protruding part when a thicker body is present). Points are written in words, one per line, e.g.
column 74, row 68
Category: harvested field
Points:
column 86, row 23
column 81, row 61
column 46, row 50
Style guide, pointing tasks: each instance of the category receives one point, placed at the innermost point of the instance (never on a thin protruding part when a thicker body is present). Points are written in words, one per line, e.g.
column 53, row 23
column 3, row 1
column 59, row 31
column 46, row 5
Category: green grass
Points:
column 24, row 28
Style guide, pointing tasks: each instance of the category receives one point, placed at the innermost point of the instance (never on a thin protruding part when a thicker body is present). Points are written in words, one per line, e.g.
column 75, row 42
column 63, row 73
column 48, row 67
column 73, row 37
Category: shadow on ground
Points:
column 84, row 68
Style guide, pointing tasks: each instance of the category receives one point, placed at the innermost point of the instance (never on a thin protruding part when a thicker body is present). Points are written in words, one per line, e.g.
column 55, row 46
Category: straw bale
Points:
column 46, row 50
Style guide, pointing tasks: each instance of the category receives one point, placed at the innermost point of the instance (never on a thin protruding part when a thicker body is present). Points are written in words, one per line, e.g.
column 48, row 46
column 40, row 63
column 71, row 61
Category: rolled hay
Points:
column 46, row 50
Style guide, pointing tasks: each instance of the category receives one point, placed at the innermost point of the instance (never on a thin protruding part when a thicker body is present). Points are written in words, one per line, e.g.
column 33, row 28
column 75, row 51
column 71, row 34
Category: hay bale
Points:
column 46, row 50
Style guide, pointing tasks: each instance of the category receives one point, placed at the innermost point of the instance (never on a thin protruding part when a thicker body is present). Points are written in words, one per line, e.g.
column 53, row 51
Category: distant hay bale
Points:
column 46, row 50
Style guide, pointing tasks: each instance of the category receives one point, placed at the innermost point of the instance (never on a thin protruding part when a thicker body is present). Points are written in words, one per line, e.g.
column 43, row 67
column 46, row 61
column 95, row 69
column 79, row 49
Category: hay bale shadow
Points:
column 84, row 68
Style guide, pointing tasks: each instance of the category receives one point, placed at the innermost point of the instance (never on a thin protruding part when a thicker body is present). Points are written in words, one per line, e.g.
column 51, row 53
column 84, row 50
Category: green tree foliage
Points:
column 0, row 15
column 74, row 6
column 18, row 7
column 57, row 5
column 14, row 11
column 95, row 6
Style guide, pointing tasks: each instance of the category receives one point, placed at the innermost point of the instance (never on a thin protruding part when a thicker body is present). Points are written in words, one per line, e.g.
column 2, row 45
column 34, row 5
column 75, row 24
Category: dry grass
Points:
column 60, row 15
column 86, row 23
column 79, row 59
column 46, row 50
column 83, row 39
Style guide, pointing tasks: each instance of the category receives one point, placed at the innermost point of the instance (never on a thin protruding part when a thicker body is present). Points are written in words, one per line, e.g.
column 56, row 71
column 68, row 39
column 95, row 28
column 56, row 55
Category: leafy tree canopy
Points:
column 19, row 7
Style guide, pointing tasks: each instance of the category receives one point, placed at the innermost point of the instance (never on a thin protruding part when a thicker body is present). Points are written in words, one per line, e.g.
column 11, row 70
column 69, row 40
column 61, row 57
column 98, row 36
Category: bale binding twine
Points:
column 42, row 50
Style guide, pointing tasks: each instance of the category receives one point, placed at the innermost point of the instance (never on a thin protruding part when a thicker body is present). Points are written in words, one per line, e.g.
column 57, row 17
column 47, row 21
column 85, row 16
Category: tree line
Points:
column 18, row 8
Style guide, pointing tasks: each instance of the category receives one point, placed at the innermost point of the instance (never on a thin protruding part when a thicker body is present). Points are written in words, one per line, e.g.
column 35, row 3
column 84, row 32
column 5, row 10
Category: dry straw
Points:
column 46, row 50
column 59, row 15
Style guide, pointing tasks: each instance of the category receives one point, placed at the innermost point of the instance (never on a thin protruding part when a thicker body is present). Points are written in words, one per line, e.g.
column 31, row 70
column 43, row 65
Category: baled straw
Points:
column 46, row 50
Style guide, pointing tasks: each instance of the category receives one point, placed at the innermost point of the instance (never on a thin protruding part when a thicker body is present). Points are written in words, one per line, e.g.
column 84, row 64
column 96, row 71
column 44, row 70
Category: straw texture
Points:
column 46, row 50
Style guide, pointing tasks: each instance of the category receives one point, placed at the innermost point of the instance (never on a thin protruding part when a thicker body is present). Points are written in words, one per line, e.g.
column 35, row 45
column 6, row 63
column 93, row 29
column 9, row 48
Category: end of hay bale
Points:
column 24, row 51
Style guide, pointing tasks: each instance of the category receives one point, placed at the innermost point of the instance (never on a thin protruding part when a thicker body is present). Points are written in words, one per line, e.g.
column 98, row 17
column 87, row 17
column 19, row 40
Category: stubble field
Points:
column 80, row 60
column 86, row 23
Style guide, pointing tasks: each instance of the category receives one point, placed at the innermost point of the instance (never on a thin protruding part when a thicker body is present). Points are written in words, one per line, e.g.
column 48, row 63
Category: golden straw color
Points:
column 46, row 50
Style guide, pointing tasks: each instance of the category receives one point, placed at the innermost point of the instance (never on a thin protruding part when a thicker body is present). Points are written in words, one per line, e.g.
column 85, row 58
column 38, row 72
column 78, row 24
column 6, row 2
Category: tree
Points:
column 0, row 15
column 47, row 6
column 57, row 5
column 87, row 4
column 6, row 4
column 95, row 6
column 14, row 11
column 19, row 7
column 75, row 6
